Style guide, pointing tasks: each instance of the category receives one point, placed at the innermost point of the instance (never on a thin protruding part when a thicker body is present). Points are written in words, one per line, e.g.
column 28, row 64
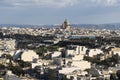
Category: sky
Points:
column 39, row 12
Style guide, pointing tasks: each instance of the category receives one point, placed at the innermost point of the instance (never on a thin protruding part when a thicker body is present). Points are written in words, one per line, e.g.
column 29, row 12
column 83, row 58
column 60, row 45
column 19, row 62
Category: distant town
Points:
column 60, row 52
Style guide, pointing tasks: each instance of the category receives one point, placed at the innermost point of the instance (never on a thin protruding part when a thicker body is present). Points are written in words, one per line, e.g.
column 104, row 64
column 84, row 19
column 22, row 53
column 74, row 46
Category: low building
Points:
column 82, row 65
column 25, row 55
column 115, row 51
column 36, row 62
column 100, row 73
column 70, row 53
column 81, row 36
column 56, row 54
column 9, row 44
column 10, row 76
column 40, row 62
column 81, row 50
column 93, row 52
column 68, row 70
column 78, row 57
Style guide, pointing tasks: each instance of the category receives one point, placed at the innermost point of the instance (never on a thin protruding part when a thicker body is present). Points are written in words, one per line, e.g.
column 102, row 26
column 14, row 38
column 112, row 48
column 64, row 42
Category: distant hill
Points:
column 28, row 26
column 112, row 26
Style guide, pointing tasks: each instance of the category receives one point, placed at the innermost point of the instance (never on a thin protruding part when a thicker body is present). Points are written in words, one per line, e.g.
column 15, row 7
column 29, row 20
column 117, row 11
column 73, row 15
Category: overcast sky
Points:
column 56, row 11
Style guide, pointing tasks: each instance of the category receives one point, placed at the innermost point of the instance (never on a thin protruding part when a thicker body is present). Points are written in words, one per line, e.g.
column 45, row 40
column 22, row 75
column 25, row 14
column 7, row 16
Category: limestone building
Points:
column 65, row 25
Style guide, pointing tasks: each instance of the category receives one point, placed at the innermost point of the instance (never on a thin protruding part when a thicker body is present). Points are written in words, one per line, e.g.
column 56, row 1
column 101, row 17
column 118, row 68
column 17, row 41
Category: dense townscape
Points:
column 61, row 53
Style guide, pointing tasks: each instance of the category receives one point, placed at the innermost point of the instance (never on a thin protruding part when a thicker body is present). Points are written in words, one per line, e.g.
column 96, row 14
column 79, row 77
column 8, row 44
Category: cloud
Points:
column 57, row 3
column 106, row 2
column 44, row 3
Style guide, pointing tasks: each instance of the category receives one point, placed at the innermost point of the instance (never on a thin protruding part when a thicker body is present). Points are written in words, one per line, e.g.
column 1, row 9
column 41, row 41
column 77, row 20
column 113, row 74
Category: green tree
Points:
column 41, row 50
column 52, row 48
column 112, row 77
column 2, row 67
column 17, row 70
column 24, row 64
column 8, row 56
column 118, row 74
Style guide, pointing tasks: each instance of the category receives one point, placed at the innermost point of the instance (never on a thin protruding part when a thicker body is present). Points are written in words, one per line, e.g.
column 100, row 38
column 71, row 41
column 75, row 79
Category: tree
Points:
column 52, row 48
column 112, row 77
column 17, row 70
column 2, row 67
column 24, row 64
column 8, row 56
column 1, row 35
column 41, row 50
column 118, row 74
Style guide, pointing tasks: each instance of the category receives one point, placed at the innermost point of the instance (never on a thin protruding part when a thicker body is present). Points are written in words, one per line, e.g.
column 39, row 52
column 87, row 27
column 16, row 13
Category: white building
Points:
column 78, row 57
column 8, row 44
column 115, row 51
column 73, row 73
column 68, row 70
column 25, row 55
column 56, row 54
column 70, row 53
column 81, row 50
column 93, row 52
column 40, row 62
column 36, row 62
column 77, row 50
column 82, row 65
